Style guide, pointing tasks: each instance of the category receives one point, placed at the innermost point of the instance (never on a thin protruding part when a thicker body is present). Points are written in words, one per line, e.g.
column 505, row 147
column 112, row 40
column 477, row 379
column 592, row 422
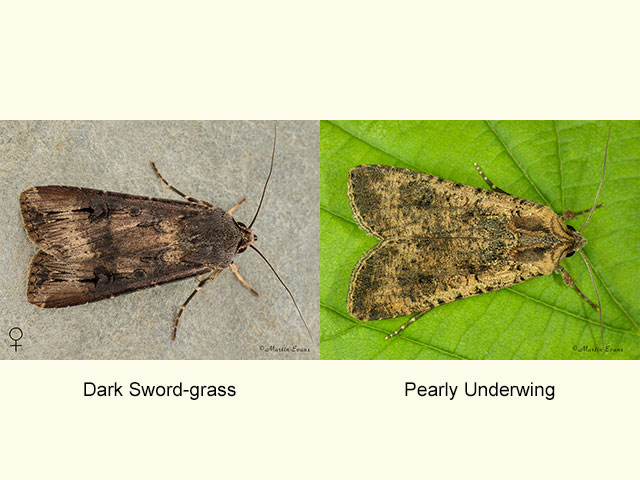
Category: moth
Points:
column 441, row 241
column 96, row 244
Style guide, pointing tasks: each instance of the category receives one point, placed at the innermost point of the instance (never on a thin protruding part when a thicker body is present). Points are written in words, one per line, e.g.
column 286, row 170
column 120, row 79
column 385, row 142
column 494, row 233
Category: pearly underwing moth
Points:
column 441, row 241
column 96, row 244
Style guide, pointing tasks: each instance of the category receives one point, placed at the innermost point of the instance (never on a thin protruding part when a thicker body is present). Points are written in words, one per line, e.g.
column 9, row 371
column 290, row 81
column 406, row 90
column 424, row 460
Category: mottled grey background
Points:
column 215, row 161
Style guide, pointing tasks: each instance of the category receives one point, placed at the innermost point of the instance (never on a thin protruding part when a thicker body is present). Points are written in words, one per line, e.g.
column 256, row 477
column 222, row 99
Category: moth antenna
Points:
column 604, row 166
column 275, row 134
column 287, row 289
column 597, row 297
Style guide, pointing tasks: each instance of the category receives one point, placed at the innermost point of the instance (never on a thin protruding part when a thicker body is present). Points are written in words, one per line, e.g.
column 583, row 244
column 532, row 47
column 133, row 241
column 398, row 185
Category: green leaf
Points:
column 554, row 163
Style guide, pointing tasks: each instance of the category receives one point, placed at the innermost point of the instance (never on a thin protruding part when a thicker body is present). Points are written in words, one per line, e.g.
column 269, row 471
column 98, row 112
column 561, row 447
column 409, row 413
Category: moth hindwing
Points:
column 441, row 241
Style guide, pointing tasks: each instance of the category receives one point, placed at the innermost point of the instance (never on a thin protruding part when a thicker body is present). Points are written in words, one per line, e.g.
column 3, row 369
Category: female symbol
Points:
column 15, row 340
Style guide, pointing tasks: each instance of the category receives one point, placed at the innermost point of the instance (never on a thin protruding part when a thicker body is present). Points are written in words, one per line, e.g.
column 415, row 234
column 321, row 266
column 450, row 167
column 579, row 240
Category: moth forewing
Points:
column 97, row 245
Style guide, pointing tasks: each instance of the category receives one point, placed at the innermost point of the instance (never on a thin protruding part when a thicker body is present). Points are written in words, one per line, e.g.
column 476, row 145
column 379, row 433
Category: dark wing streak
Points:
column 75, row 222
column 55, row 282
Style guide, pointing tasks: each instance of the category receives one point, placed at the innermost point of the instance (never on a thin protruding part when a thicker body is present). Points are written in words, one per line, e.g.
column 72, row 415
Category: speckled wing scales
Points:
column 96, row 245
column 403, row 276
column 441, row 241
column 389, row 201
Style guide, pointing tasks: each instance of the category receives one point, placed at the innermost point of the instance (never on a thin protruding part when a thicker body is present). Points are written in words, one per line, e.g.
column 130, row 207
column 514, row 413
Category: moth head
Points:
column 247, row 239
column 578, row 241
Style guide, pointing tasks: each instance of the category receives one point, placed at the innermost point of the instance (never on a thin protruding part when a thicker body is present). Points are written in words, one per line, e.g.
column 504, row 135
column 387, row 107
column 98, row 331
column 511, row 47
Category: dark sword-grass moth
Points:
column 96, row 244
column 506, row 323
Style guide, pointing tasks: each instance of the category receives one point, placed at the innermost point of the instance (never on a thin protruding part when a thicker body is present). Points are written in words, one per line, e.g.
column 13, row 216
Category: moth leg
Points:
column 568, row 281
column 174, row 189
column 234, row 269
column 568, row 214
column 184, row 305
column 230, row 211
column 409, row 322
column 489, row 182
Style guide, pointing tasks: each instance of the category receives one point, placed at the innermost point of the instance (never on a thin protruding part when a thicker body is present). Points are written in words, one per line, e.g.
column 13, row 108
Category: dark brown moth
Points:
column 441, row 241
column 96, row 244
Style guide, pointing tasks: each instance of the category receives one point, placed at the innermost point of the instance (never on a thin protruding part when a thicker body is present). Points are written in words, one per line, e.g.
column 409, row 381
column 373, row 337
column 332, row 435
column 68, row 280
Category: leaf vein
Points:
column 387, row 332
column 508, row 150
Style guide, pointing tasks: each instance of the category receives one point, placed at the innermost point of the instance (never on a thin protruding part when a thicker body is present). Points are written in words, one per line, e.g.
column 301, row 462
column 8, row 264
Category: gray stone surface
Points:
column 215, row 161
